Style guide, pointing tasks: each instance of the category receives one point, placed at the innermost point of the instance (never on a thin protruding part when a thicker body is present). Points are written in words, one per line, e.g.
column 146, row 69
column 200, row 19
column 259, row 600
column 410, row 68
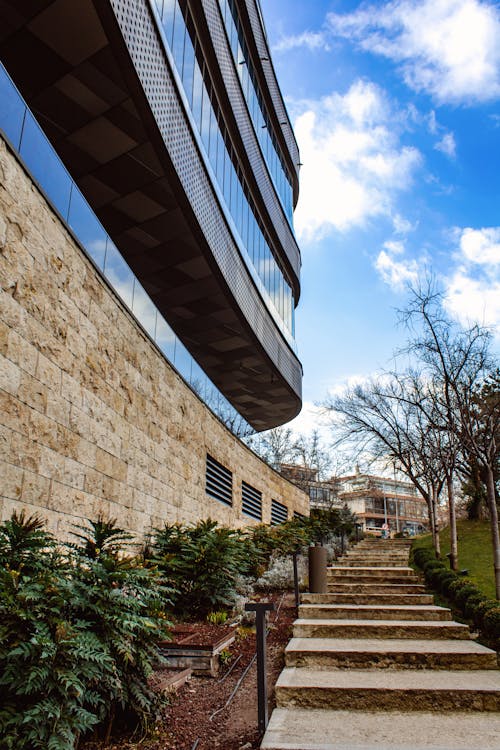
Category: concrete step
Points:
column 355, row 562
column 370, row 612
column 324, row 729
column 332, row 628
column 389, row 689
column 362, row 570
column 374, row 653
column 375, row 588
column 343, row 598
column 362, row 578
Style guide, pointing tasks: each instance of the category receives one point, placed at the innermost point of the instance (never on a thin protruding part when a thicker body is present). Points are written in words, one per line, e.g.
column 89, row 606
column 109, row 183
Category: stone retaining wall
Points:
column 93, row 419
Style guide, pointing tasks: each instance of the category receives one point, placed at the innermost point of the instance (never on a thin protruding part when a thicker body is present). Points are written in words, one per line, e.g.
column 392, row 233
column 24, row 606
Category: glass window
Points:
column 205, row 119
column 197, row 94
column 227, row 178
column 188, row 67
column 168, row 19
column 87, row 227
column 44, row 165
column 214, row 130
column 198, row 380
column 144, row 309
column 183, row 360
column 221, row 148
column 165, row 338
column 178, row 38
column 119, row 274
column 12, row 109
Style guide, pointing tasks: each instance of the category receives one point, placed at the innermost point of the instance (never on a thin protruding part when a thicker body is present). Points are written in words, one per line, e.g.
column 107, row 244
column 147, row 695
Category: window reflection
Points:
column 44, row 165
column 119, row 274
column 11, row 111
column 87, row 227
column 143, row 309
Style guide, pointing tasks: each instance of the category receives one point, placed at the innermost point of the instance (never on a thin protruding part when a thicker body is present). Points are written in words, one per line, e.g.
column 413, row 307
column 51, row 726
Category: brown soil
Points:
column 198, row 718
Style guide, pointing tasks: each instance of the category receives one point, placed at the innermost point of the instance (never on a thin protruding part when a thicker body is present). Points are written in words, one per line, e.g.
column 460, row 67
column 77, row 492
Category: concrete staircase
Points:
column 375, row 665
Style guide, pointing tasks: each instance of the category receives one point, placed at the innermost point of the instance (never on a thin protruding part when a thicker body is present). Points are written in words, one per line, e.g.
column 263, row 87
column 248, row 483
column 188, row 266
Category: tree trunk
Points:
column 437, row 541
column 495, row 535
column 453, row 524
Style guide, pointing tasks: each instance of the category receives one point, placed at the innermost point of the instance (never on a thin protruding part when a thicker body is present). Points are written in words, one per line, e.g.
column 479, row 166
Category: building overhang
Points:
column 98, row 81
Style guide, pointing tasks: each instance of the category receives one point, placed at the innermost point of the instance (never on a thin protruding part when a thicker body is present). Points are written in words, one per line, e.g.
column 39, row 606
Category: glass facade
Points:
column 23, row 132
column 256, row 108
column 180, row 39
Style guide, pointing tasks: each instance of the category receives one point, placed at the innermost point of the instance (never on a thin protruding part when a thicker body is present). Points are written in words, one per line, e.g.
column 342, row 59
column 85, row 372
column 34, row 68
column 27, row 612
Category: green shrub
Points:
column 463, row 594
column 77, row 636
column 201, row 564
column 491, row 625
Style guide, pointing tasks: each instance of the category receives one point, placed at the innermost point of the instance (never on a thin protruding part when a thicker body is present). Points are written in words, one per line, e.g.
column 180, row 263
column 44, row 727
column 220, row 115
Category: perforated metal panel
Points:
column 138, row 28
column 279, row 513
column 272, row 81
column 218, row 481
column 251, row 501
column 277, row 219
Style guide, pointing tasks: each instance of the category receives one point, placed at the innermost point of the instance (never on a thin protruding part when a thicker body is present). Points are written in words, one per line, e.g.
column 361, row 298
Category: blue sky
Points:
column 395, row 107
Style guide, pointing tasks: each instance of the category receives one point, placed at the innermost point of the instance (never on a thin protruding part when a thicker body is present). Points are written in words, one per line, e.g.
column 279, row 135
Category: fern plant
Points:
column 78, row 634
column 49, row 664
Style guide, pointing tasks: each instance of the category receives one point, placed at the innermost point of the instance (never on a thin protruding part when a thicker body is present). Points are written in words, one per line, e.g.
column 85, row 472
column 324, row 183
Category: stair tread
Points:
column 381, row 623
column 297, row 728
column 394, row 645
column 384, row 607
column 397, row 679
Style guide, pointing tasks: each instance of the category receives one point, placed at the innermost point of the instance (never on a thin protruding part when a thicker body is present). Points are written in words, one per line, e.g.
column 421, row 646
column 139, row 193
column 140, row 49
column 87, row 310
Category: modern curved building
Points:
column 168, row 116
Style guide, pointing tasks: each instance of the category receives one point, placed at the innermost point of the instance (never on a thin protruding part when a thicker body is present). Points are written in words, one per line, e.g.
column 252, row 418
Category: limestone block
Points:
column 12, row 480
column 85, row 452
column 35, row 489
column 14, row 414
column 62, row 469
column 32, row 393
column 49, row 373
column 22, row 352
column 10, row 376
column 57, row 408
column 71, row 389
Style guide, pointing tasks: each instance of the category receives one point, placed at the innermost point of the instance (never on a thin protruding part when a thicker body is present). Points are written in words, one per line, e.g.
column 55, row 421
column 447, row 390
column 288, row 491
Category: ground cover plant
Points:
column 461, row 592
column 78, row 631
column 475, row 552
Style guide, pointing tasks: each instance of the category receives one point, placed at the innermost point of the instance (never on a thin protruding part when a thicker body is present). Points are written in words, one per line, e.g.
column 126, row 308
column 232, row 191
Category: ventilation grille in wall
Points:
column 219, row 481
column 296, row 514
column 279, row 513
column 251, row 501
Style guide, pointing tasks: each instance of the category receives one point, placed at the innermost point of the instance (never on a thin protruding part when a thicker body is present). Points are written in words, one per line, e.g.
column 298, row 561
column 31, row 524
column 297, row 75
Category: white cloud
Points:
column 481, row 246
column 473, row 289
column 313, row 40
column 447, row 48
column 354, row 163
column 396, row 273
column 401, row 225
column 447, row 145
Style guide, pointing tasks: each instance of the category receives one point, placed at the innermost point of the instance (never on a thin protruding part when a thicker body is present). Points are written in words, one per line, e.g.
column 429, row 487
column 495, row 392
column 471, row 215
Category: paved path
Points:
column 375, row 665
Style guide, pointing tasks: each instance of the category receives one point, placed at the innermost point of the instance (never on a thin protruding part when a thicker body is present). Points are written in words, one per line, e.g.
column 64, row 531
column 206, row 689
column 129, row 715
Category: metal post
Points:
column 318, row 582
column 296, row 577
column 260, row 609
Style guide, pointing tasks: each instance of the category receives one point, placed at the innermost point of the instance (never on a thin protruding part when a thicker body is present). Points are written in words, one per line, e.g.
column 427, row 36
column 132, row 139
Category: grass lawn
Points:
column 474, row 552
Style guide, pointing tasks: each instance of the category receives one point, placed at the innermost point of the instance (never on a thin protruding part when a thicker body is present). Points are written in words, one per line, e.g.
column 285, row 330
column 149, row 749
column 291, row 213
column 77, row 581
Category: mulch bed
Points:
column 197, row 717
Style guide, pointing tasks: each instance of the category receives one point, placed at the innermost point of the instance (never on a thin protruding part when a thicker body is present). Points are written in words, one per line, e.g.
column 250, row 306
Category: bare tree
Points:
column 459, row 362
column 275, row 446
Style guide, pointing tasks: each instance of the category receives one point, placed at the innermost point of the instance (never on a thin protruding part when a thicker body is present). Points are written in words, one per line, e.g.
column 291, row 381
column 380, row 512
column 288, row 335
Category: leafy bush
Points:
column 77, row 634
column 462, row 593
column 201, row 564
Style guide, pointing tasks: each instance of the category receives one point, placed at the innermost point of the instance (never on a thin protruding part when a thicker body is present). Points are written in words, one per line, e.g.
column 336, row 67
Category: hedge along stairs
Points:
column 374, row 665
